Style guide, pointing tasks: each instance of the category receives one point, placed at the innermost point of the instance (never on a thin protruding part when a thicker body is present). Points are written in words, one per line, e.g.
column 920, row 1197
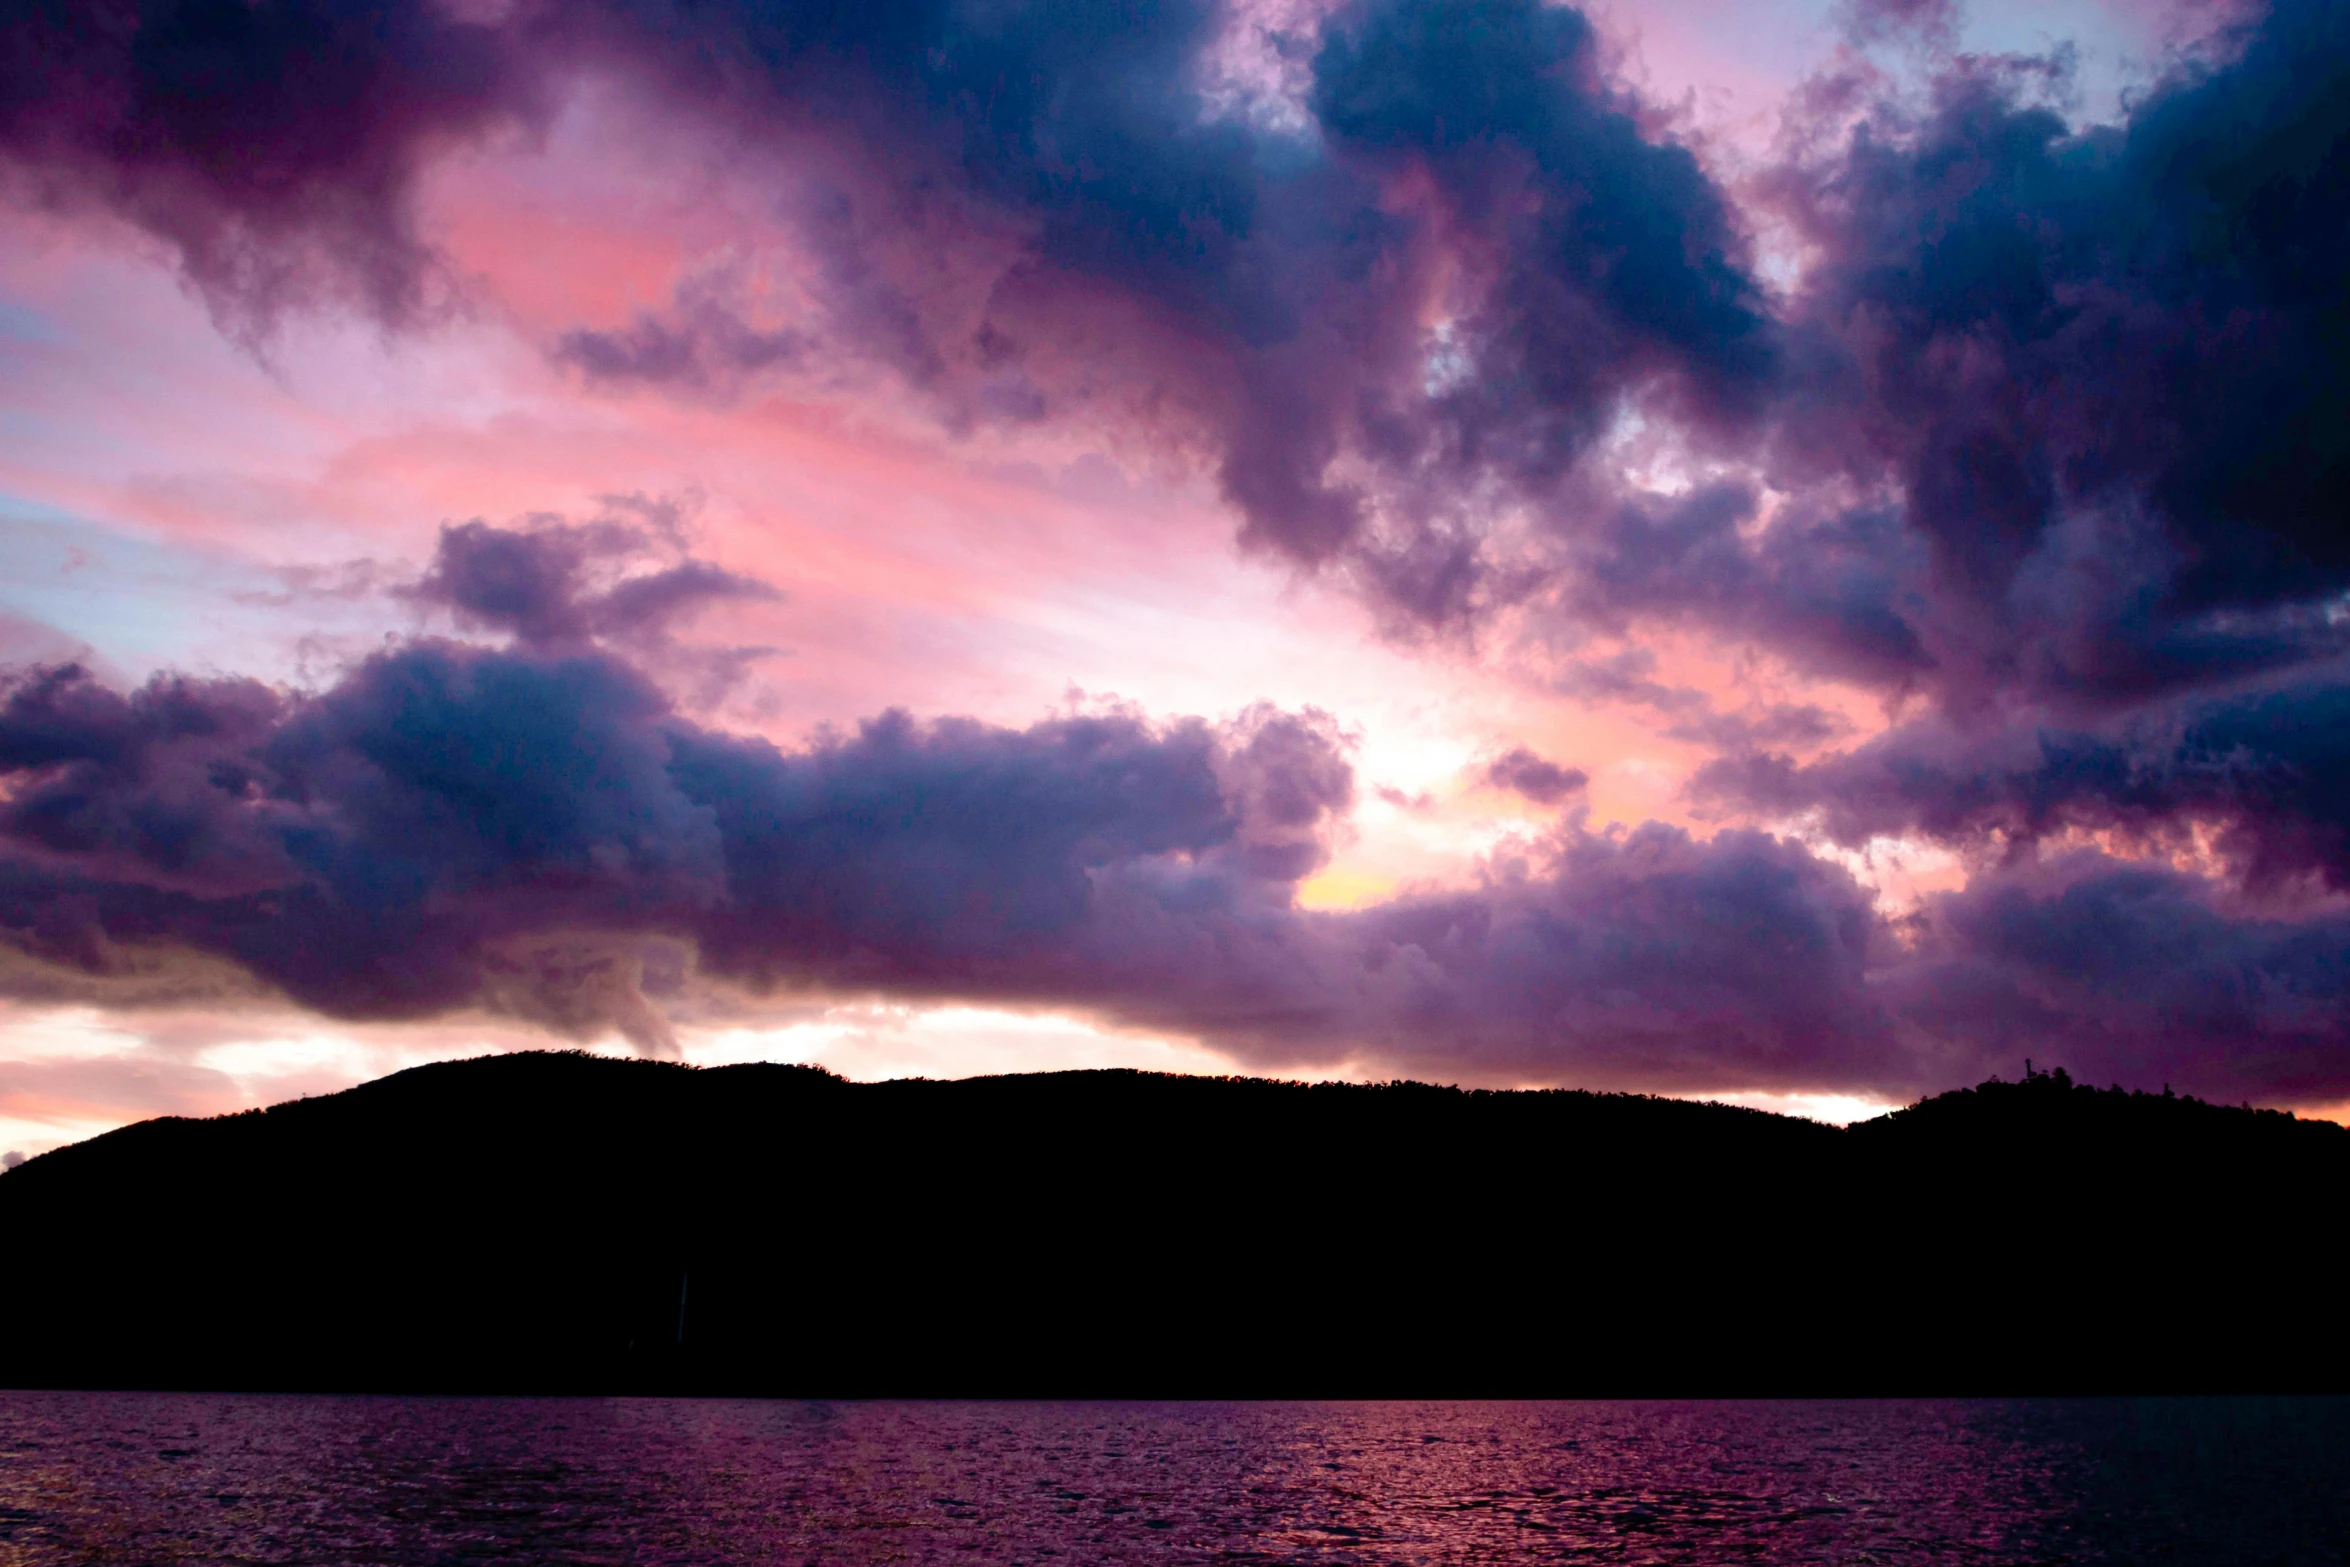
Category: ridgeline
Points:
column 560, row 1222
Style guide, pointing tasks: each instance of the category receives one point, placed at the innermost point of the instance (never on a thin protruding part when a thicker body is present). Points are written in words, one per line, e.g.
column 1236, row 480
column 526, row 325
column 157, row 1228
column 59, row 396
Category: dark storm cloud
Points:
column 1647, row 957
column 2098, row 378
column 1616, row 253
column 454, row 827
column 446, row 816
column 2107, row 371
column 273, row 145
column 540, row 834
column 2131, row 973
column 364, row 849
column 135, row 780
column 1610, row 262
column 2267, row 770
column 1838, row 593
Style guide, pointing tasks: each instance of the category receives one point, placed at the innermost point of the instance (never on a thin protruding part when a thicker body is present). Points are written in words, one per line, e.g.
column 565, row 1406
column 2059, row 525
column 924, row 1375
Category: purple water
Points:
column 188, row 1479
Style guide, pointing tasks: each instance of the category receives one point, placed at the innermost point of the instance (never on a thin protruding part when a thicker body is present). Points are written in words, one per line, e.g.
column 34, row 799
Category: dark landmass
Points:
column 536, row 1222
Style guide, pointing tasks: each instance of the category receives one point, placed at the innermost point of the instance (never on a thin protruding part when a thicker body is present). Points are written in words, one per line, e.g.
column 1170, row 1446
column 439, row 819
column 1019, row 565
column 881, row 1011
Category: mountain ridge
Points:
column 562, row 1222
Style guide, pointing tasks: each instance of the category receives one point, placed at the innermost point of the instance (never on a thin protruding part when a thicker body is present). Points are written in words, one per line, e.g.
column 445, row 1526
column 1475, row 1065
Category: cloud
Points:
column 1615, row 254
column 2102, row 369
column 539, row 833
column 273, row 147
column 555, row 584
column 1265, row 283
column 453, row 826
column 1545, row 783
column 623, row 580
column 2131, row 972
column 2051, row 407
column 1651, row 958
column 1839, row 594
column 706, row 342
column 2043, row 444
column 1933, row 23
column 2266, row 771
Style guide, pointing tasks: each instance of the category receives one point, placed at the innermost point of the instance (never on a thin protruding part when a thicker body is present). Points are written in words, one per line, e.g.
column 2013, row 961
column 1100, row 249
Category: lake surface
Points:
column 188, row 1479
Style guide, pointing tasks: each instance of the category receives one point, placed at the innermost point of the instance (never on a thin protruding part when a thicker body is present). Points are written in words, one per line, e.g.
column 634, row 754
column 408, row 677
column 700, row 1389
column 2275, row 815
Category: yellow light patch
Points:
column 1343, row 889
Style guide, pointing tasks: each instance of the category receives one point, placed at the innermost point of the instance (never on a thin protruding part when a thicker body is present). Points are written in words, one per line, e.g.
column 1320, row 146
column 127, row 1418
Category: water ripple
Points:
column 192, row 1479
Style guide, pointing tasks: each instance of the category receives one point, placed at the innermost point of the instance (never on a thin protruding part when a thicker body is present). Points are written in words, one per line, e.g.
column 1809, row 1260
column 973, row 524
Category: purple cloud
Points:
column 391, row 846
column 540, row 834
column 2268, row 770
column 1545, row 783
column 2131, row 972
column 2047, row 446
column 2092, row 378
column 274, row 147
column 2103, row 369
column 278, row 150
column 555, row 584
column 453, row 827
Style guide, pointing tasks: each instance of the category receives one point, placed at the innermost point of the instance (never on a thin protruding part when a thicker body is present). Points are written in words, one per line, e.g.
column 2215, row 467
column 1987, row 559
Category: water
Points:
column 189, row 1479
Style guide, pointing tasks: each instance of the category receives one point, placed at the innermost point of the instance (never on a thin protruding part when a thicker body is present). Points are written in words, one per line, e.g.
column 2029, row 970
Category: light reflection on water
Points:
column 139, row 1478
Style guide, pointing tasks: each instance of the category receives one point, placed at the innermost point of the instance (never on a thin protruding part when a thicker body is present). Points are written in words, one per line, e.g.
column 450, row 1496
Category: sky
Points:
column 1793, row 554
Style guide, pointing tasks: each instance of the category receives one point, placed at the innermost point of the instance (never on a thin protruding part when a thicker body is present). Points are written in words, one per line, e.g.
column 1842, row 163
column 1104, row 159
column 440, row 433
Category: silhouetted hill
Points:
column 532, row 1222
